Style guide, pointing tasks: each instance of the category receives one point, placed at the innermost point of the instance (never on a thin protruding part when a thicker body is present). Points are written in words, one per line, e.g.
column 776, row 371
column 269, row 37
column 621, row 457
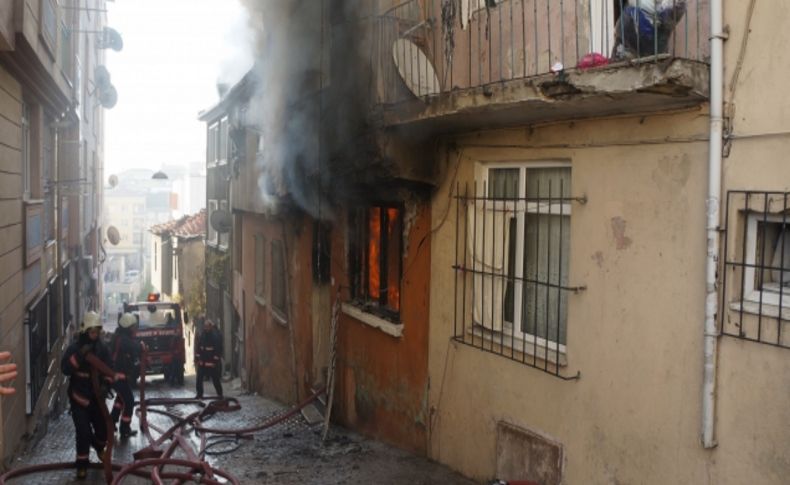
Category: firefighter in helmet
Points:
column 208, row 355
column 86, row 354
column 125, row 356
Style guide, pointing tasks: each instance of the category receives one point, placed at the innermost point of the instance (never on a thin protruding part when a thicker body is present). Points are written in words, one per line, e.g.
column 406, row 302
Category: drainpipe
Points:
column 713, row 205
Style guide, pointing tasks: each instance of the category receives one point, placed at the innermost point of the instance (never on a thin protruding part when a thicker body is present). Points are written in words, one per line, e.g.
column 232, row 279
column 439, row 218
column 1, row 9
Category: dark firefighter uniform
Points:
column 125, row 357
column 89, row 424
column 208, row 358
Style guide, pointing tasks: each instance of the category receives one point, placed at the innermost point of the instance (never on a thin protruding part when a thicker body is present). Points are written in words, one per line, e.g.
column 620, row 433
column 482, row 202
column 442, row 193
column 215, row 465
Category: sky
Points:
column 174, row 52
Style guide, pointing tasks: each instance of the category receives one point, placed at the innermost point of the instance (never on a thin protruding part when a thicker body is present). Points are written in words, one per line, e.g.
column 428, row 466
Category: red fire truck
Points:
column 160, row 327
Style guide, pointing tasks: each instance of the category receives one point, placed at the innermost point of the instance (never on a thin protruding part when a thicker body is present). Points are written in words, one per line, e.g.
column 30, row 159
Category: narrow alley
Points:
column 291, row 452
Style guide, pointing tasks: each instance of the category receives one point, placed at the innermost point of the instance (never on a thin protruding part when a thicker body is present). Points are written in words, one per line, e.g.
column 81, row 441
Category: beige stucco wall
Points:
column 635, row 334
column 11, row 255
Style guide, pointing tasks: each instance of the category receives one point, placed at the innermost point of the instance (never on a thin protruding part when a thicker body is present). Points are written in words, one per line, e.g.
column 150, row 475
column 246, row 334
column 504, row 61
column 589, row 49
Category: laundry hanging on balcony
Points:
column 644, row 29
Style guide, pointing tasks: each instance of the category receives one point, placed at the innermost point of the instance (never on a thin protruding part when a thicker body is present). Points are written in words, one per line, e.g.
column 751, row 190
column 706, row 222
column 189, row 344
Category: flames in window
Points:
column 383, row 256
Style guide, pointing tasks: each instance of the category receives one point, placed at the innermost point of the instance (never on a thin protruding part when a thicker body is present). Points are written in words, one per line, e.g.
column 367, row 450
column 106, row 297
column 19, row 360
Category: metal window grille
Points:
column 375, row 259
column 36, row 342
column 511, row 265
column 756, row 279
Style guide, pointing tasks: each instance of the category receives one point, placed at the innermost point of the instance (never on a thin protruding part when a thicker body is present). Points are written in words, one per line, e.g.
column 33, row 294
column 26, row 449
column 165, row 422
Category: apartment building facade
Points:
column 556, row 243
column 53, row 89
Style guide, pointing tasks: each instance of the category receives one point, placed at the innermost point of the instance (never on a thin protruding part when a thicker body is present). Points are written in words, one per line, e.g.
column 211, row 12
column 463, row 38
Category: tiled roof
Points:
column 186, row 227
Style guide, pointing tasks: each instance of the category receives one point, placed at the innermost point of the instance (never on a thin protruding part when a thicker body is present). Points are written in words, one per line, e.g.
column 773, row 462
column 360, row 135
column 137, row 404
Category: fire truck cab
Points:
column 160, row 327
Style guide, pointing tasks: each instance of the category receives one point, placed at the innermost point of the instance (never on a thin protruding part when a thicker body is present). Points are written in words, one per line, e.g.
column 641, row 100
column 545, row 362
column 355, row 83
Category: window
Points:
column 26, row 152
column 224, row 236
column 278, row 278
column 222, row 142
column 212, row 234
column 48, row 24
column 260, row 268
column 757, row 267
column 535, row 241
column 211, row 144
column 376, row 254
column 512, row 254
column 768, row 258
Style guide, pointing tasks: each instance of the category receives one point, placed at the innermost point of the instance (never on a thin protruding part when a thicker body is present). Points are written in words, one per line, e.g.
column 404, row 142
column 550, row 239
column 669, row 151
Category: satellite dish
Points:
column 110, row 39
column 415, row 68
column 113, row 235
column 113, row 181
column 108, row 97
column 101, row 77
column 220, row 221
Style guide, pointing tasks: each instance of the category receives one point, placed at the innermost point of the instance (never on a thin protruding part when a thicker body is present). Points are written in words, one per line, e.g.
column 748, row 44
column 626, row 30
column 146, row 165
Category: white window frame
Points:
column 223, row 145
column 211, row 144
column 521, row 208
column 223, row 239
column 750, row 292
column 212, row 237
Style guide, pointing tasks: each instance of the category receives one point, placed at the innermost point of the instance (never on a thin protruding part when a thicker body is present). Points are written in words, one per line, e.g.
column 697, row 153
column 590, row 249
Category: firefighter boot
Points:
column 127, row 431
column 82, row 468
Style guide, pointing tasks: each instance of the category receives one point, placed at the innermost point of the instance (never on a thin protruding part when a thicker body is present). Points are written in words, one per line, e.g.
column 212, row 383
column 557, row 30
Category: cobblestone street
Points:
column 288, row 453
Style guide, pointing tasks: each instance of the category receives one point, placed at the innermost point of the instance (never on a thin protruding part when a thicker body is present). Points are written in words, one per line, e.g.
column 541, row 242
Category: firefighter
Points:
column 125, row 356
column 208, row 352
column 88, row 352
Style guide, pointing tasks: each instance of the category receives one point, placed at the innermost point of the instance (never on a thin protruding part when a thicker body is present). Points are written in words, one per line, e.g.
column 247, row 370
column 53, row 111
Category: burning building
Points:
column 502, row 205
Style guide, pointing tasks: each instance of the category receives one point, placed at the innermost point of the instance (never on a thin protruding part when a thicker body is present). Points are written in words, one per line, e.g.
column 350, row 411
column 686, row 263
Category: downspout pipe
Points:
column 713, row 204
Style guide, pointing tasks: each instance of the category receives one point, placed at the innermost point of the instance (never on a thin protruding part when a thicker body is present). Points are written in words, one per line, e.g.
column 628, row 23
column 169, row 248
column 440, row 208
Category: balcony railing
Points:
column 426, row 48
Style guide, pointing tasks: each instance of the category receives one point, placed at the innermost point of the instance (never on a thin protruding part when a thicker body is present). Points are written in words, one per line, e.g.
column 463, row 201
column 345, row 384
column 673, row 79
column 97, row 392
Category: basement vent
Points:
column 524, row 455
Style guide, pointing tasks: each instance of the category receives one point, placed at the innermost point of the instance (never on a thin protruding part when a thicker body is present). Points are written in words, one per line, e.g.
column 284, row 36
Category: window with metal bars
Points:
column 375, row 259
column 36, row 324
column 512, row 255
column 756, row 279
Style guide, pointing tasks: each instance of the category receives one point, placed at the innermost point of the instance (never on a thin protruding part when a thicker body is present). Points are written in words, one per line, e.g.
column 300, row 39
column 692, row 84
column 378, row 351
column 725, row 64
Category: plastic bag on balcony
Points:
column 644, row 29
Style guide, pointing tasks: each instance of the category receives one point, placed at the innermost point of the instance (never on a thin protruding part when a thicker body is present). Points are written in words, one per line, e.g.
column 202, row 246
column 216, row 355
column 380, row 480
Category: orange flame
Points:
column 374, row 240
column 393, row 264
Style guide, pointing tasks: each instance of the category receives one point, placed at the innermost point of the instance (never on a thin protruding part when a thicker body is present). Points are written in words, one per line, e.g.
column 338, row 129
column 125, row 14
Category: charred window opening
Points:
column 321, row 253
column 376, row 254
column 278, row 278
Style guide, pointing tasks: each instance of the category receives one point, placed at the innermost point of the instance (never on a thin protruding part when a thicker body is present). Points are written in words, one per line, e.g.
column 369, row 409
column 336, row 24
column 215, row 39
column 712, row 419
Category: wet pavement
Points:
column 289, row 453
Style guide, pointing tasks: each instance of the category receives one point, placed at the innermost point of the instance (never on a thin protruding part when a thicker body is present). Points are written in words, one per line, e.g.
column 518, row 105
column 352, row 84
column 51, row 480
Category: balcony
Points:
column 453, row 66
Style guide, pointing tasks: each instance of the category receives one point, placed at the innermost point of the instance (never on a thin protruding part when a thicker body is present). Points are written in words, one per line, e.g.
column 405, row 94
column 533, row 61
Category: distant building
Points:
column 135, row 204
column 179, row 254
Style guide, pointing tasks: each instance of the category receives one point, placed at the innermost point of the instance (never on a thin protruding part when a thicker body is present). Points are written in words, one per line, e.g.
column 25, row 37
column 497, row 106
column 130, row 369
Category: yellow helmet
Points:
column 90, row 320
column 127, row 320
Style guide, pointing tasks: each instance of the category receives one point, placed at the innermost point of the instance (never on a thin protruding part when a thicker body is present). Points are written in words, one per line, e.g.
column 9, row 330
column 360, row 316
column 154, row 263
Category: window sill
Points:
column 520, row 347
column 391, row 329
column 753, row 308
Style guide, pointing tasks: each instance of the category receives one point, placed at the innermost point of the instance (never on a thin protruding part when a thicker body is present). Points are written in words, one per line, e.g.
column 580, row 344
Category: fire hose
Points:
column 155, row 462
